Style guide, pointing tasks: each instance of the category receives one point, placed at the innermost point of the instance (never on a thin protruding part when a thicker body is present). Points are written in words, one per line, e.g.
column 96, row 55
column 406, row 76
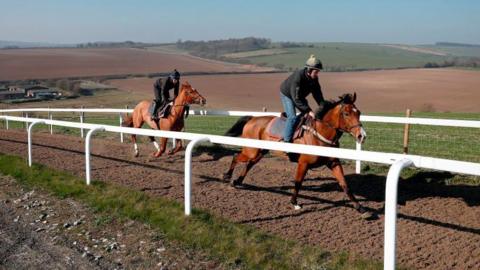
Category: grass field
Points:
column 347, row 56
column 456, row 50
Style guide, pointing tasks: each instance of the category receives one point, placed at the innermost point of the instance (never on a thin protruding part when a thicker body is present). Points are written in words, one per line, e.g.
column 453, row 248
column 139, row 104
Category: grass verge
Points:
column 238, row 246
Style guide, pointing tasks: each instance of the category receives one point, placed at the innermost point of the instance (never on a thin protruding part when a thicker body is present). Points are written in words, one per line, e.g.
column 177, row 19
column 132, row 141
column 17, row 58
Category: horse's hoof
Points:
column 226, row 177
column 235, row 184
column 360, row 209
column 157, row 154
column 368, row 216
column 297, row 207
column 136, row 154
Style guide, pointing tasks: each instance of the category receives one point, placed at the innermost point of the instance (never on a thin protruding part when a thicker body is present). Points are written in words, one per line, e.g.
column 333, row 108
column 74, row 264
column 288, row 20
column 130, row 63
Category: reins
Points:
column 319, row 136
column 338, row 131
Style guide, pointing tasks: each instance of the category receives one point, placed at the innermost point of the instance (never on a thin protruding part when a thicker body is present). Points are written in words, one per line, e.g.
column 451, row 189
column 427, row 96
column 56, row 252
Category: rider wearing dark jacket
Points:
column 295, row 89
column 162, row 89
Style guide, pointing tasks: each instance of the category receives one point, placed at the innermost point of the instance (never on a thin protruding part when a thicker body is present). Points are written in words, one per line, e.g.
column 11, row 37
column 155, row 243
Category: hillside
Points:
column 335, row 56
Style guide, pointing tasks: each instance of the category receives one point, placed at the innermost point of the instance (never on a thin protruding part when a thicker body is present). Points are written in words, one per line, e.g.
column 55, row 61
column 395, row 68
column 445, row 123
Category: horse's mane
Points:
column 330, row 104
column 186, row 84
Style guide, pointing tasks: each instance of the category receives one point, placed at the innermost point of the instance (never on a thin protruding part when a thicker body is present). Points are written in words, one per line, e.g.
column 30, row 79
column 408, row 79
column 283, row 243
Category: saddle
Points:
column 163, row 111
column 276, row 126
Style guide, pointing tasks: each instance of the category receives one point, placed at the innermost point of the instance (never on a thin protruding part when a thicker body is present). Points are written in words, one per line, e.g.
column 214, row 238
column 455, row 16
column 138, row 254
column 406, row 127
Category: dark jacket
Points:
column 298, row 86
column 162, row 90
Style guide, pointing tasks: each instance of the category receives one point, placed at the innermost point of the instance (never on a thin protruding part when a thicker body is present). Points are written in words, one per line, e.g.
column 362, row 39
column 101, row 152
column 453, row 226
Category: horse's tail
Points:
column 237, row 129
column 127, row 121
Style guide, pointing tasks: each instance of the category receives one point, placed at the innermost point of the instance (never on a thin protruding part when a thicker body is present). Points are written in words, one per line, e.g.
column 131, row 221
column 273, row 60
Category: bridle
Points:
column 338, row 131
column 186, row 105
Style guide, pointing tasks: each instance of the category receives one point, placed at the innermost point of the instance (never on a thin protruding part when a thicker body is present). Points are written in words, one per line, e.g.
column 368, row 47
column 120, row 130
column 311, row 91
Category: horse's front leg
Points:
column 163, row 146
column 337, row 171
column 178, row 147
column 299, row 176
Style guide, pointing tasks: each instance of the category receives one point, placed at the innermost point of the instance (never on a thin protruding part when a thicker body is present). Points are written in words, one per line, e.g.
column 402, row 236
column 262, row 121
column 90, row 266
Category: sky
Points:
column 367, row 21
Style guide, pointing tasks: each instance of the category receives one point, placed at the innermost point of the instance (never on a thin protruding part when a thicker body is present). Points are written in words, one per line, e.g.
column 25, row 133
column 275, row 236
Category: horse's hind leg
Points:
column 135, row 146
column 250, row 163
column 228, row 175
column 137, row 123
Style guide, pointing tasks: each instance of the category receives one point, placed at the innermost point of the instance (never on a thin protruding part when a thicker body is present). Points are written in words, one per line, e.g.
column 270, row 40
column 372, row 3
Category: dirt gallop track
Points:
column 438, row 226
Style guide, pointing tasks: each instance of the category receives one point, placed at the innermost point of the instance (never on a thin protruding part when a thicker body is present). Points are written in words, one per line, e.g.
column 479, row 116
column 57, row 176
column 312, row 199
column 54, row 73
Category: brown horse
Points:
column 325, row 130
column 174, row 122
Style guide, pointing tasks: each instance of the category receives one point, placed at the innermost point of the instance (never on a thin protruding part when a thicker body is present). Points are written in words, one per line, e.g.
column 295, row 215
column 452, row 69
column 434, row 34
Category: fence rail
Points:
column 364, row 118
column 425, row 141
column 398, row 161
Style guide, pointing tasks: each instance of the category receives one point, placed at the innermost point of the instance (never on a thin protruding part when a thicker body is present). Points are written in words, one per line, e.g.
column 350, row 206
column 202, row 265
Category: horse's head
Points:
column 191, row 95
column 344, row 116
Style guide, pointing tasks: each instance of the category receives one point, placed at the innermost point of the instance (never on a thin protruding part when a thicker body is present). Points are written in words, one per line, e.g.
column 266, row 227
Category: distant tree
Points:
column 431, row 65
column 216, row 48
column 62, row 84
column 76, row 89
column 279, row 66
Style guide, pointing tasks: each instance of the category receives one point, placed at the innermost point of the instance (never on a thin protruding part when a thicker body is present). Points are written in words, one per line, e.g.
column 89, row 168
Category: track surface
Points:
column 438, row 225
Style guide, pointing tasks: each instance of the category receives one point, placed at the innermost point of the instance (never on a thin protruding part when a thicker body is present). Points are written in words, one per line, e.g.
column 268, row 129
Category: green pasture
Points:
column 347, row 56
column 473, row 51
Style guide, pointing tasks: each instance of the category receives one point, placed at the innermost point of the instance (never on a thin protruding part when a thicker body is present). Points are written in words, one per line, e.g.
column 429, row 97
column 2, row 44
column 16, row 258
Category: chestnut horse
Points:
column 173, row 122
column 325, row 130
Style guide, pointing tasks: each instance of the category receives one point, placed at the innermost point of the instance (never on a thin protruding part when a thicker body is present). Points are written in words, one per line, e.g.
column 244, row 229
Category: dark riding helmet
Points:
column 313, row 63
column 175, row 75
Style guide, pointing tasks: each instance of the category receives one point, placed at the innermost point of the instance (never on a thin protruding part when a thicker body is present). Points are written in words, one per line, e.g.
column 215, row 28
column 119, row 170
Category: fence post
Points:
column 406, row 132
column 121, row 120
column 358, row 163
column 188, row 172
column 391, row 192
column 50, row 116
column 82, row 115
column 26, row 123
column 30, row 140
column 87, row 152
column 6, row 123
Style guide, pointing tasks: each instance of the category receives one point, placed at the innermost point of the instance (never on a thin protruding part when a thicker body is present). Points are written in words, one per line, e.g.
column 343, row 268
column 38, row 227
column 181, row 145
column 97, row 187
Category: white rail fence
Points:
column 398, row 161
column 363, row 118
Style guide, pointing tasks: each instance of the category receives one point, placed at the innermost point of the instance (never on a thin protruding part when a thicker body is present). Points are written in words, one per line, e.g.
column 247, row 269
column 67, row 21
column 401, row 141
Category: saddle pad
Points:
column 275, row 128
column 163, row 111
column 277, row 125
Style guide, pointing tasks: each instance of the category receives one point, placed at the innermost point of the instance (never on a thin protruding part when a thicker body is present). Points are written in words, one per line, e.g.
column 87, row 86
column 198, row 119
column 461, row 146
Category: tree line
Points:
column 471, row 62
column 217, row 48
